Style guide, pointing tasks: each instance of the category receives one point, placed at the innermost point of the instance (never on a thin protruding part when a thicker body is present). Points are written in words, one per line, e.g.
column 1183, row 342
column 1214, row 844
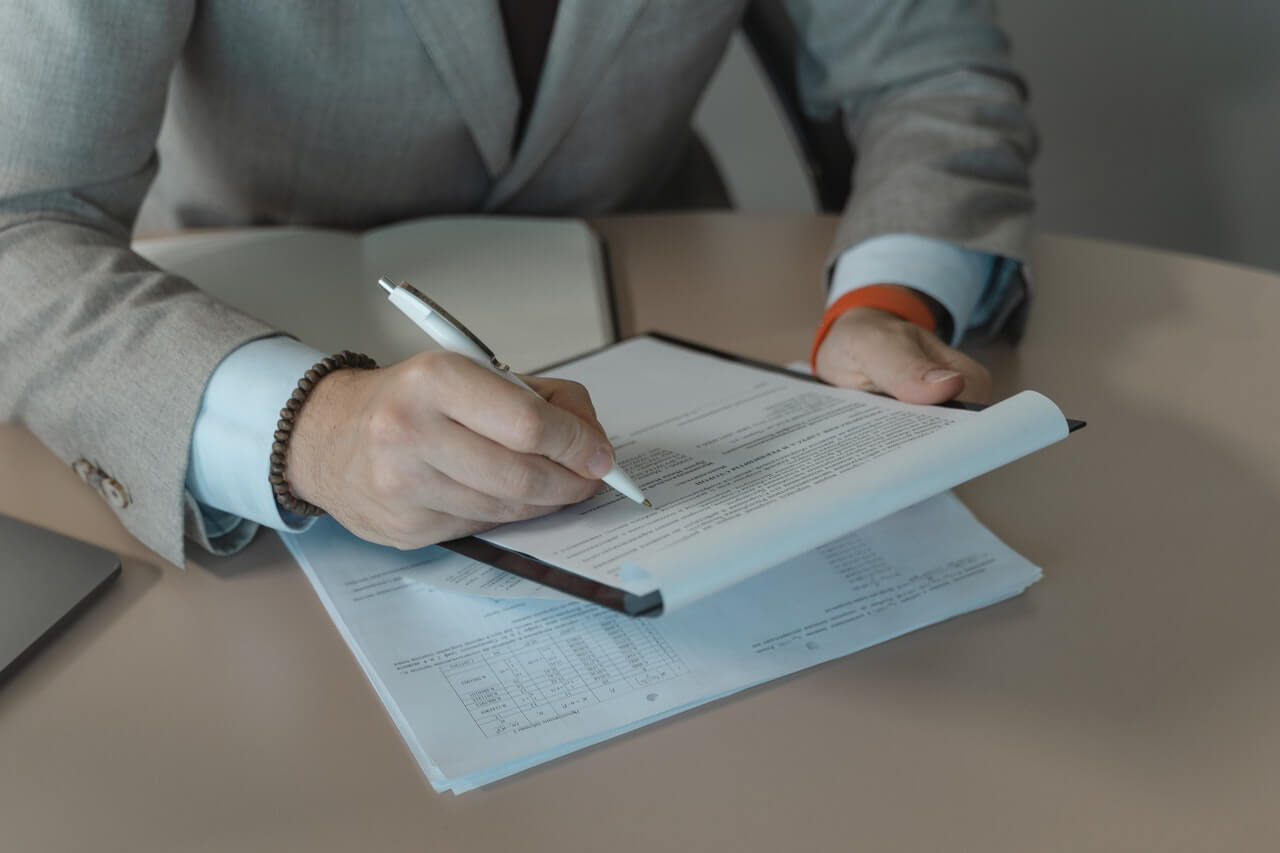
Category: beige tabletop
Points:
column 1129, row 701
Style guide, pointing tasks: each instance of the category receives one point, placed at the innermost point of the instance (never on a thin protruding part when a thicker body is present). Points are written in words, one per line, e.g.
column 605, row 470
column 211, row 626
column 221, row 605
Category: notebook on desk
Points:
column 538, row 286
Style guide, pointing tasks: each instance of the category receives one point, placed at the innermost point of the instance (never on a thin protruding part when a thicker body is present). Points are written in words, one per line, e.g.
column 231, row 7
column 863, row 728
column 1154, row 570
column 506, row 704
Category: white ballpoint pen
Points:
column 448, row 332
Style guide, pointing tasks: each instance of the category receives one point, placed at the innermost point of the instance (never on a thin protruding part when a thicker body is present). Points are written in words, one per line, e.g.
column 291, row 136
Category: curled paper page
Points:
column 748, row 468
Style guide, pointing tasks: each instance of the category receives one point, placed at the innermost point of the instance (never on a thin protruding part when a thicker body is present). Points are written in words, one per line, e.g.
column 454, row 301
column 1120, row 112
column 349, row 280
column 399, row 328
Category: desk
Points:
column 1128, row 701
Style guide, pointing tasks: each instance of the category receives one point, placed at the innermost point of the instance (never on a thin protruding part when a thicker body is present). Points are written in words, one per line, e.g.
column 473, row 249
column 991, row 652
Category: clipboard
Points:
column 530, row 568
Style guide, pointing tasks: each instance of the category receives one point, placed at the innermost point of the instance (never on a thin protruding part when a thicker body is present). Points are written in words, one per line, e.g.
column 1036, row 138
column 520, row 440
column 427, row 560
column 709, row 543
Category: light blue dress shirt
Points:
column 235, row 427
column 968, row 284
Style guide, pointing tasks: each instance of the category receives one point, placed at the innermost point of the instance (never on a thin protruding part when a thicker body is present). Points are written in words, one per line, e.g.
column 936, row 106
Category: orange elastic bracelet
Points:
column 887, row 297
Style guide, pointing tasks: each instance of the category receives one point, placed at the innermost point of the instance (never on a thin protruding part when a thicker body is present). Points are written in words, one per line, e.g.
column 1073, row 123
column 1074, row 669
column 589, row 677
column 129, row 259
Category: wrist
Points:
column 952, row 275
column 317, row 428
column 942, row 324
column 310, row 430
column 894, row 299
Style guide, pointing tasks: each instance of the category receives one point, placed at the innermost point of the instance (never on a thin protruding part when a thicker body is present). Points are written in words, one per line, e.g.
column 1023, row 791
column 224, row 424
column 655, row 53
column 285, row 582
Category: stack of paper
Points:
column 486, row 675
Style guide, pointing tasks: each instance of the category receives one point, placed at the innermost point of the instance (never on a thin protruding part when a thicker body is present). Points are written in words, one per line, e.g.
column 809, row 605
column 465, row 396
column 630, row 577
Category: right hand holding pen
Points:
column 437, row 447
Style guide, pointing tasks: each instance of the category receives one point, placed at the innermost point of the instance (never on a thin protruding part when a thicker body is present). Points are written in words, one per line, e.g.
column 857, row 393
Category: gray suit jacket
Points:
column 352, row 113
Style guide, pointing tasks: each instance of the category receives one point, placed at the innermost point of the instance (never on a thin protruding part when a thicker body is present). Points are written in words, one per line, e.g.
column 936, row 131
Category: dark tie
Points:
column 528, row 26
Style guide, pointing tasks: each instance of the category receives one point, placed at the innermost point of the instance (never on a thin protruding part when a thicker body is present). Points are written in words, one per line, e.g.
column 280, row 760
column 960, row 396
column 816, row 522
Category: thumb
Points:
column 876, row 351
column 489, row 405
column 899, row 363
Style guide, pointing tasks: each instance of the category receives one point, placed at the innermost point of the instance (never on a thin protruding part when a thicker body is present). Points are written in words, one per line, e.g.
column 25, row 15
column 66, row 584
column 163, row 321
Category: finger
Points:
column 481, row 464
column 873, row 350
column 453, row 498
column 443, row 509
column 489, row 405
column 977, row 379
column 390, row 517
column 894, row 357
column 568, row 395
column 429, row 527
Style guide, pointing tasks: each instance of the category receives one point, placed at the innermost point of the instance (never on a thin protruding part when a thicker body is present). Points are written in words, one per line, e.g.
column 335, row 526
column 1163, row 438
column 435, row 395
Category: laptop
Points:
column 45, row 580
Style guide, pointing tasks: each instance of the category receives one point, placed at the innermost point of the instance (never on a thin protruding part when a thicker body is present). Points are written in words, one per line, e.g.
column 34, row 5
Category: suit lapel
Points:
column 466, row 42
column 584, row 40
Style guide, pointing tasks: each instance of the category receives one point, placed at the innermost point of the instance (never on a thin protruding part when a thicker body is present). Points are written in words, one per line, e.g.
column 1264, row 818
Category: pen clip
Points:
column 455, row 322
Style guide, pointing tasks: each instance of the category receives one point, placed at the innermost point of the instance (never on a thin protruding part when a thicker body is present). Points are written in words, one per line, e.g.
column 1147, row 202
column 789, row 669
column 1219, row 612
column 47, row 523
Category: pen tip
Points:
column 648, row 503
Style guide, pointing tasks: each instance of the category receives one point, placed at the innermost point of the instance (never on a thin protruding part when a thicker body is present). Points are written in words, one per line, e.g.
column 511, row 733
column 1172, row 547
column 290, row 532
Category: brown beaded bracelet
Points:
column 284, row 427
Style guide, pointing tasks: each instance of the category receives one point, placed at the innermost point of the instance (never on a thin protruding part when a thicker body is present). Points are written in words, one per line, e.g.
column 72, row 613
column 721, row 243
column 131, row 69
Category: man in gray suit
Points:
column 353, row 114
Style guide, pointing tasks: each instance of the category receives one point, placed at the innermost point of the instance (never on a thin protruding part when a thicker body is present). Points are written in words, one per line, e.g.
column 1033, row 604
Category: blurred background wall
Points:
column 1159, row 119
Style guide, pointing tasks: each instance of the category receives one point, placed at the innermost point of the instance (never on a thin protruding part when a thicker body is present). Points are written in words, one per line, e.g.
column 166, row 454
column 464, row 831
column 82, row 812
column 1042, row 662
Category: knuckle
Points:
column 528, row 426
column 386, row 425
column 514, row 511
column 576, row 390
column 573, row 441
column 404, row 529
column 523, row 482
column 421, row 369
column 388, row 481
column 428, row 371
column 520, row 512
column 452, row 365
column 417, row 529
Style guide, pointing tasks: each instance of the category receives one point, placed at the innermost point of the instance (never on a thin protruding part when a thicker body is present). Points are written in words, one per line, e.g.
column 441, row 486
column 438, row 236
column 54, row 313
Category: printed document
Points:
column 748, row 467
column 486, row 674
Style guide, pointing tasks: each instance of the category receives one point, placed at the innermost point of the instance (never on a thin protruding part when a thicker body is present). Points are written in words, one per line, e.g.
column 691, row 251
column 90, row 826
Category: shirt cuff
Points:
column 1002, row 274
column 231, row 441
column 954, row 276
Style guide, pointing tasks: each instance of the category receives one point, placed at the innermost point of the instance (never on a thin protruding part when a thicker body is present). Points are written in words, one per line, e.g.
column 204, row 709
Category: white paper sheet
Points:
column 748, row 468
column 484, row 687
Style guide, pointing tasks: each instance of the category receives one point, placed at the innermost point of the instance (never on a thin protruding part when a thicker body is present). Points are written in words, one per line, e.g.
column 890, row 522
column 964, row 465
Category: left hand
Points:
column 873, row 350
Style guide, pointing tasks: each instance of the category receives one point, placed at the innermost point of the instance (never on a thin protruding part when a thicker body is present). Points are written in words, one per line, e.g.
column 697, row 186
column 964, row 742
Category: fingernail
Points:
column 939, row 374
column 600, row 463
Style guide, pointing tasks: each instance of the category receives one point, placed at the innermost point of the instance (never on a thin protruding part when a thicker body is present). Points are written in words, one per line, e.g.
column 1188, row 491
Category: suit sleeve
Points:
column 105, row 356
column 934, row 112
